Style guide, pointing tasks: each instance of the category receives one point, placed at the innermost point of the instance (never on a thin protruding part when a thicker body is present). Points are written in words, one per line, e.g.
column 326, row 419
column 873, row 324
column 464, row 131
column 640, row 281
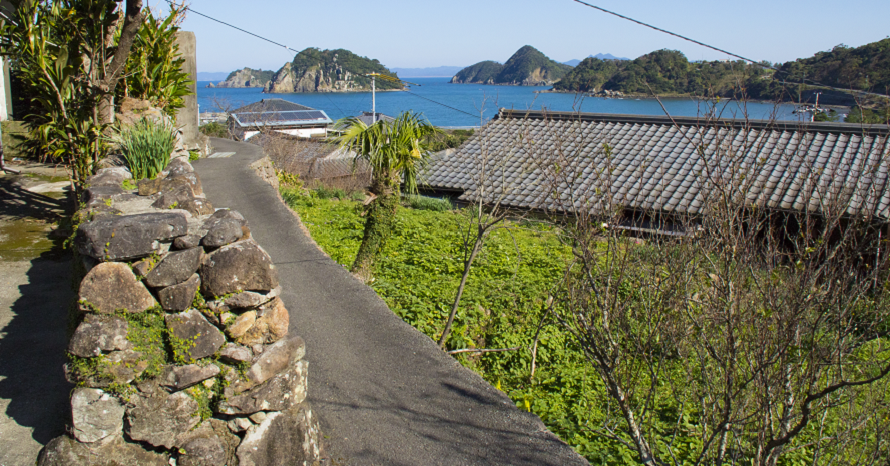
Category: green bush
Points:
column 323, row 192
column 146, row 147
column 419, row 202
column 214, row 129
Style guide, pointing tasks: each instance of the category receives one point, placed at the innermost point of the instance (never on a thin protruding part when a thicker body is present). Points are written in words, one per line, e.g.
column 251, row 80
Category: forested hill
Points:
column 315, row 70
column 666, row 72
column 527, row 67
column 865, row 68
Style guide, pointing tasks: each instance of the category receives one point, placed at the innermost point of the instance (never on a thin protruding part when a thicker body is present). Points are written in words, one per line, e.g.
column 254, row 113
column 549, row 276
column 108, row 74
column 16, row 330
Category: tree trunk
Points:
column 132, row 22
column 378, row 226
column 460, row 291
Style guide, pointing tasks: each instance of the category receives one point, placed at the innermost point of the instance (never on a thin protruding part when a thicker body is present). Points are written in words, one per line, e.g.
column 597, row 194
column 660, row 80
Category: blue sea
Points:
column 433, row 96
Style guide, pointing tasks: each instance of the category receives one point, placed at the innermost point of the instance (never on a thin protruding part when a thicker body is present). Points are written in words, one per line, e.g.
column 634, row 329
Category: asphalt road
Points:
column 384, row 393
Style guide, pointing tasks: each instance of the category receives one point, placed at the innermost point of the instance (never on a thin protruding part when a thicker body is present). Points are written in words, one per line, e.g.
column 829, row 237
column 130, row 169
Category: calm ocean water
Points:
column 471, row 98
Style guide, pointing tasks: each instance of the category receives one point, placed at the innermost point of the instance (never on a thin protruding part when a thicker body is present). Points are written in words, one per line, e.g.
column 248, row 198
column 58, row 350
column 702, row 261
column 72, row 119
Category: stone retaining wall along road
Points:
column 180, row 350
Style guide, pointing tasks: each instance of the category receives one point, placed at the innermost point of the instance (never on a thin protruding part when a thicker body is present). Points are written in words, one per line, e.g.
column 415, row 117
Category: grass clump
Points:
column 214, row 129
column 146, row 147
column 416, row 201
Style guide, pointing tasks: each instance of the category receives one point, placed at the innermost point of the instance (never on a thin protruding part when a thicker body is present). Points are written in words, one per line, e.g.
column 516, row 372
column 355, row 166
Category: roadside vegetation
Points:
column 515, row 299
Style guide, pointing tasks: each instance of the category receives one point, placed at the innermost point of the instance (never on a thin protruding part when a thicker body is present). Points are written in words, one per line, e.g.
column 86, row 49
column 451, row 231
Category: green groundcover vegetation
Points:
column 418, row 274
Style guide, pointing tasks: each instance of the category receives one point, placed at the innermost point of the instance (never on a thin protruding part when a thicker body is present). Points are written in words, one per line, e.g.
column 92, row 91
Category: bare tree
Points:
column 762, row 325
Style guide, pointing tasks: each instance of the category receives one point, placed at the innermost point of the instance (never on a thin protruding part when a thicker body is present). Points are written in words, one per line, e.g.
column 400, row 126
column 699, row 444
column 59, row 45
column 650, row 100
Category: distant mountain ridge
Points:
column 433, row 72
column 599, row 56
column 527, row 67
column 669, row 72
column 316, row 70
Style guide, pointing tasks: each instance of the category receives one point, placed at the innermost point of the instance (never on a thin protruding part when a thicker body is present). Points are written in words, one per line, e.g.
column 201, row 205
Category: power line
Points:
column 297, row 51
column 234, row 27
column 440, row 103
column 804, row 80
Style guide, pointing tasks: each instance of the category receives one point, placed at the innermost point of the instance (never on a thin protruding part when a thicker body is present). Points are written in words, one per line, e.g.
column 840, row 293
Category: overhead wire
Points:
column 297, row 51
column 753, row 62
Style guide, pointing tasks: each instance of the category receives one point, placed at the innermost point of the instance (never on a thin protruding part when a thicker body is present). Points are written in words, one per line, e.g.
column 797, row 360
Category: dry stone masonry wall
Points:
column 181, row 353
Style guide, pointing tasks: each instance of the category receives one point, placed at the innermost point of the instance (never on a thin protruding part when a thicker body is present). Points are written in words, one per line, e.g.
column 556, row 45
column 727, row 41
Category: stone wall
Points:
column 180, row 351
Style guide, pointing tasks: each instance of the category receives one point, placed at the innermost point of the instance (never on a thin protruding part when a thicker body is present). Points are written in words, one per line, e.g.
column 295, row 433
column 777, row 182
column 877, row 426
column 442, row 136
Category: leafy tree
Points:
column 154, row 69
column 396, row 152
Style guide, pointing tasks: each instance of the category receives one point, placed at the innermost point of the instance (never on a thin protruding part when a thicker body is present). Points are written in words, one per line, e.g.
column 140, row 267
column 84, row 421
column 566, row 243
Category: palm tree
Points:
column 396, row 151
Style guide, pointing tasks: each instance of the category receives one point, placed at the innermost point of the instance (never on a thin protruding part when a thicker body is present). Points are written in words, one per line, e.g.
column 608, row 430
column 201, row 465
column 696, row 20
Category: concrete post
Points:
column 187, row 117
column 5, row 91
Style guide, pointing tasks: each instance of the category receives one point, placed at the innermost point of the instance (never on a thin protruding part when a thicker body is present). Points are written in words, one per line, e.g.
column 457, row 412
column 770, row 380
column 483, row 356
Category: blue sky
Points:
column 419, row 33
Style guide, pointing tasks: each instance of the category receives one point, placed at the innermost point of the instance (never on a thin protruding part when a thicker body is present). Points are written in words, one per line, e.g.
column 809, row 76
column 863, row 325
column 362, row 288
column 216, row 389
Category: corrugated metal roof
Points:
column 368, row 118
column 284, row 118
column 566, row 161
column 272, row 105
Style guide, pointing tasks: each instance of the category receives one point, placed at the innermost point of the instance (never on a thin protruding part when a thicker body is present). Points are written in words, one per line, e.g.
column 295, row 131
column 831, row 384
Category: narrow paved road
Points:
column 384, row 393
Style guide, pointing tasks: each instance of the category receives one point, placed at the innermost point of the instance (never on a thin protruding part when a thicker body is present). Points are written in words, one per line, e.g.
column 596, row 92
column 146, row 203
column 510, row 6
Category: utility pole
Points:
column 373, row 99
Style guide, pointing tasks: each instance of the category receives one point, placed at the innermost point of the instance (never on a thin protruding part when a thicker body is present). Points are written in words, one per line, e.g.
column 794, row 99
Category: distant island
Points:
column 527, row 67
column 245, row 78
column 316, row 70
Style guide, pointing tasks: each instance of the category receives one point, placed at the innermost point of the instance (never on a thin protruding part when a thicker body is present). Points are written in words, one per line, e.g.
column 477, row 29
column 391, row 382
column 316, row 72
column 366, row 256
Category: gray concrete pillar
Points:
column 187, row 117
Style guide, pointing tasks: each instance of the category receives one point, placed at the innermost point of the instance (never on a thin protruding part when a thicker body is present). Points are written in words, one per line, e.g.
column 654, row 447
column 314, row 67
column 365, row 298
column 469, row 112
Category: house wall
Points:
column 299, row 132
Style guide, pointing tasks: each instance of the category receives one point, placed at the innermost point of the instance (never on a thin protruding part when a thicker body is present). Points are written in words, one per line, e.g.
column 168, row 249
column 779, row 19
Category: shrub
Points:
column 214, row 129
column 428, row 203
column 146, row 147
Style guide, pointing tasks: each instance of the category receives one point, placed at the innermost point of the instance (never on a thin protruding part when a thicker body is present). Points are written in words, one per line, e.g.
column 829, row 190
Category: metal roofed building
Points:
column 664, row 166
column 280, row 116
column 369, row 119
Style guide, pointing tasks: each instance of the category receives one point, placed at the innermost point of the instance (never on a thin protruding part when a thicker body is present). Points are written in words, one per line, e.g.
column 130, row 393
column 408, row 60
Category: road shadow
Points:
column 32, row 350
column 17, row 203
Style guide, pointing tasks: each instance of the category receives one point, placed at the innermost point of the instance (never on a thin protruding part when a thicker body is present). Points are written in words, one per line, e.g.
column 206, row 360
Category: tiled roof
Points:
column 272, row 105
column 567, row 161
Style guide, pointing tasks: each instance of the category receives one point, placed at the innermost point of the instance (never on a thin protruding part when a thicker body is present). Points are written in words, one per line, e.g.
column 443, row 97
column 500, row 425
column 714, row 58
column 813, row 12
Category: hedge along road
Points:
column 384, row 392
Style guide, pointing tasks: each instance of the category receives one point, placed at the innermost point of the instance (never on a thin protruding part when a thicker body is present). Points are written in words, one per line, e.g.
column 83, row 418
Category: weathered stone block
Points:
column 197, row 206
column 275, row 359
column 276, row 394
column 124, row 366
column 66, row 451
column 270, row 327
column 174, row 198
column 223, row 214
column 205, row 451
column 128, row 237
column 242, row 324
column 182, row 377
column 223, row 232
column 114, row 176
column 98, row 334
column 178, row 167
column 241, row 266
column 110, row 286
column 202, row 338
column 161, row 418
column 235, row 354
column 179, row 297
column 175, row 268
column 98, row 194
column 95, row 415
column 291, row 437
column 187, row 242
